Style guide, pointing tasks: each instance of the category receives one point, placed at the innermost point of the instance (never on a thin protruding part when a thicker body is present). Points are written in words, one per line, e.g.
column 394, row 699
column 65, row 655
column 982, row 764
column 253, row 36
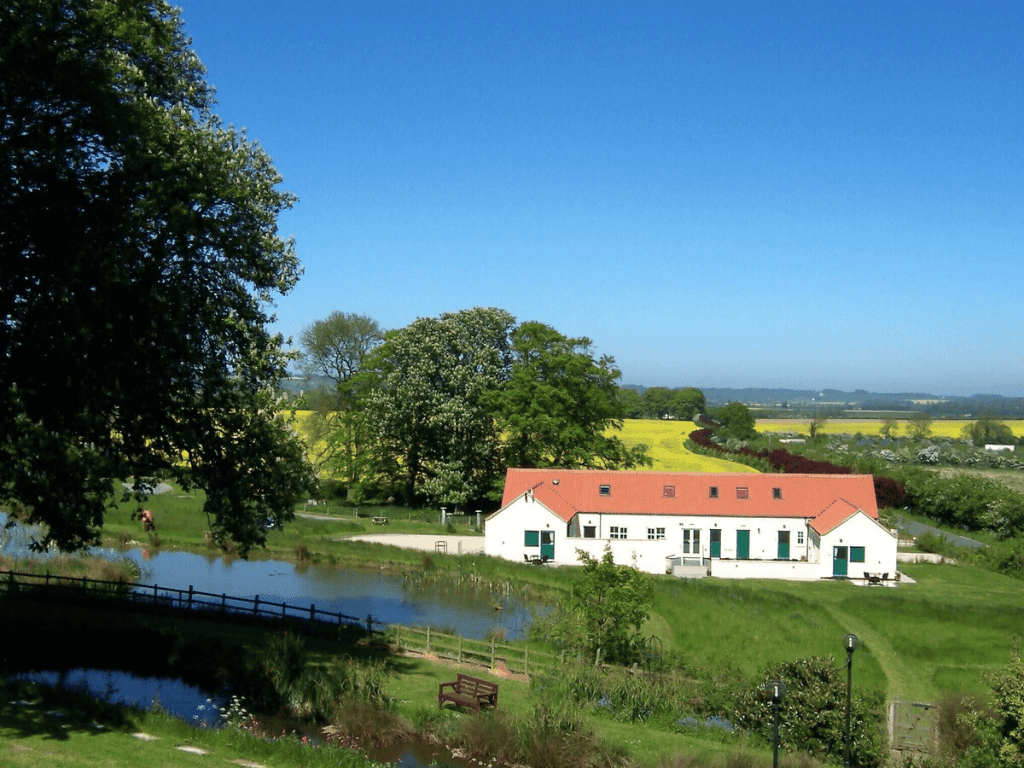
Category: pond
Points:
column 123, row 688
column 385, row 597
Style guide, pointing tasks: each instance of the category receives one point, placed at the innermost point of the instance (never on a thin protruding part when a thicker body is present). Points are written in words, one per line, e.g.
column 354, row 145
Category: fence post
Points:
column 154, row 593
column 47, row 578
column 398, row 636
column 223, row 602
column 256, row 606
column 428, row 638
column 312, row 612
column 190, row 598
column 83, row 582
column 492, row 653
column 526, row 661
column 460, row 649
column 369, row 622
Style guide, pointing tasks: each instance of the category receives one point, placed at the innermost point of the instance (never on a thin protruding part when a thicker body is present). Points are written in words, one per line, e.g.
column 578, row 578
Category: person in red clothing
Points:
column 147, row 521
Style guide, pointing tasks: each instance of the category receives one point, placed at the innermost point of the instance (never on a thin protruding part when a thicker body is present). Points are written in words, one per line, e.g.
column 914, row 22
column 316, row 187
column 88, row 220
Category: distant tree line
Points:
column 682, row 403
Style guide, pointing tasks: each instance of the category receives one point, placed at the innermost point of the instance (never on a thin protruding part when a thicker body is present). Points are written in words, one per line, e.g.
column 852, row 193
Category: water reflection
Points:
column 354, row 593
column 123, row 688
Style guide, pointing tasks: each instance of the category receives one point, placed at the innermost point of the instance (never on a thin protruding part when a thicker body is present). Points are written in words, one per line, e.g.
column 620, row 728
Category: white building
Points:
column 735, row 525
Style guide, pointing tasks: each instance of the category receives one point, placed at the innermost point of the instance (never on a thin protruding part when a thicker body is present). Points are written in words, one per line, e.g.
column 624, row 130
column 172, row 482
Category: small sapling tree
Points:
column 605, row 609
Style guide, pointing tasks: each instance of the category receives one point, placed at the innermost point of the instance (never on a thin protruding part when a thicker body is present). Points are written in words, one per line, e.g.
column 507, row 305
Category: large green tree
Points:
column 333, row 351
column 140, row 256
column 426, row 404
column 559, row 404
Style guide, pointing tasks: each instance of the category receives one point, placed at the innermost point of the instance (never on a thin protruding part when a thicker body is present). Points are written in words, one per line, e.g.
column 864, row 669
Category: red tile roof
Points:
column 567, row 492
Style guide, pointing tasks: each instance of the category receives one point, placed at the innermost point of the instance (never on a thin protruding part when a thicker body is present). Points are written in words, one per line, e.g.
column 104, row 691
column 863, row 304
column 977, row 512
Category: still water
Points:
column 385, row 597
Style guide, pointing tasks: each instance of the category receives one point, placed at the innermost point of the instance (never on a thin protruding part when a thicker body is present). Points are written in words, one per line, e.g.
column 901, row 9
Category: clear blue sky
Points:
column 719, row 194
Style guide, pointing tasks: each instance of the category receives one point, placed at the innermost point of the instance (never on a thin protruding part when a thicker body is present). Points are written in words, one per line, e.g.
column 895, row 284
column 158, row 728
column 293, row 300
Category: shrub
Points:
column 812, row 714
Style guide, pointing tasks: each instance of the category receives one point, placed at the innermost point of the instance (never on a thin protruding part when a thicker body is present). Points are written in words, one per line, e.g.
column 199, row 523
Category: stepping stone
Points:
column 145, row 736
column 193, row 750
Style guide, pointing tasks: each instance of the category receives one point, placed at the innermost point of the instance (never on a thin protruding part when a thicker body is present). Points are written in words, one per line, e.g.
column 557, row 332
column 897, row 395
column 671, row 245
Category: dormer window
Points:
column 742, row 493
column 713, row 492
column 776, row 493
column 668, row 492
column 604, row 490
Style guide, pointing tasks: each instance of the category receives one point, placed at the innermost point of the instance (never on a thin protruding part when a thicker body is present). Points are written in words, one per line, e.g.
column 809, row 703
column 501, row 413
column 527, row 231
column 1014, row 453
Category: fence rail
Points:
column 185, row 599
column 488, row 653
column 517, row 660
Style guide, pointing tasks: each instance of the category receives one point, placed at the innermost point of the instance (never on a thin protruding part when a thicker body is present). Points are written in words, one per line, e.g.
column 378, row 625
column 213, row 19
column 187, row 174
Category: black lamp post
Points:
column 850, row 642
column 777, row 688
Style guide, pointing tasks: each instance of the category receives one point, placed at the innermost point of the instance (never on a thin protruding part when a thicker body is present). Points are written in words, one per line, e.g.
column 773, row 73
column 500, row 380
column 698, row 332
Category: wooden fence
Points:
column 493, row 654
column 518, row 660
column 183, row 599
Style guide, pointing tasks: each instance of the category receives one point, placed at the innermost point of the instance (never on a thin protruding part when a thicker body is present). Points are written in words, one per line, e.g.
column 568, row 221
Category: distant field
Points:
column 665, row 440
column 951, row 428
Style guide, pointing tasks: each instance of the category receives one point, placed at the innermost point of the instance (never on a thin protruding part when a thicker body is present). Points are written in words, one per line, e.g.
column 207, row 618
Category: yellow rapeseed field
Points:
column 664, row 439
column 940, row 428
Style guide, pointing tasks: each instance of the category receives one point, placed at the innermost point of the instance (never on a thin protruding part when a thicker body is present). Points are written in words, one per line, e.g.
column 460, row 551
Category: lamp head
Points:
column 850, row 642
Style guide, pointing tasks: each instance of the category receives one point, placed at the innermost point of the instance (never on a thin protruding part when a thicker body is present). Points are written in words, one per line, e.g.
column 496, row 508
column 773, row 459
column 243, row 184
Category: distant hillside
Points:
column 862, row 400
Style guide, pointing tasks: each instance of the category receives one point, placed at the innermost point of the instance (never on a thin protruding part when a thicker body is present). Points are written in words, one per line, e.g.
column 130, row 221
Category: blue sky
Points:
column 719, row 194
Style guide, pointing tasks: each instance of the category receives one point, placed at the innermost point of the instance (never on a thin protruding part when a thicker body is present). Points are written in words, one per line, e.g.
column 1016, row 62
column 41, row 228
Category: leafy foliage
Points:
column 735, row 421
column 449, row 403
column 989, row 431
column 140, row 255
column 559, row 402
column 604, row 610
column 812, row 714
column 427, row 391
column 334, row 349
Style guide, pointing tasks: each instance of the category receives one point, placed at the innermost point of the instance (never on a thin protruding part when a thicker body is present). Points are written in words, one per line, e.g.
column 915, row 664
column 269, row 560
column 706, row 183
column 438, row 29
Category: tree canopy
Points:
column 333, row 351
column 559, row 402
column 140, row 257
column 427, row 403
column 735, row 421
column 449, row 403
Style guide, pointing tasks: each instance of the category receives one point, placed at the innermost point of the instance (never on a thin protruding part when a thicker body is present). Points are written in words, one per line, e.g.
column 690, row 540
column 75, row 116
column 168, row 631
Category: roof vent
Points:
column 555, row 481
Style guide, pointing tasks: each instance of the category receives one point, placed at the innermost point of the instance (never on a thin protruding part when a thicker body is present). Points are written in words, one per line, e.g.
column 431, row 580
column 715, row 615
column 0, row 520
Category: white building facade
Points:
column 725, row 525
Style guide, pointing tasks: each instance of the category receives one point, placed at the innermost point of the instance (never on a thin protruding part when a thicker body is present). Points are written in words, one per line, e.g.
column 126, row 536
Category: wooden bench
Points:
column 380, row 521
column 468, row 691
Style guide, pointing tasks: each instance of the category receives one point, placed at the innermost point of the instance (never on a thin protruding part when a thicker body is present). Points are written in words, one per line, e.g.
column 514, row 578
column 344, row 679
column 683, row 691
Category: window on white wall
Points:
column 655, row 534
column 589, row 531
column 799, row 537
column 691, row 541
column 618, row 532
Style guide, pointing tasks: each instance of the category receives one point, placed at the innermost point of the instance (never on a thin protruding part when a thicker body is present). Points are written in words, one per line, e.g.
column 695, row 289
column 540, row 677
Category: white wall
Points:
column 764, row 532
column 503, row 532
column 861, row 531
column 788, row 570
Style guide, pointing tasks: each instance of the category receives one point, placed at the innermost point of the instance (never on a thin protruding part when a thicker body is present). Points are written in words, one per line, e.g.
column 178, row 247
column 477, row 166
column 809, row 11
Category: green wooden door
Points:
column 742, row 545
column 783, row 545
column 547, row 544
column 716, row 542
column 839, row 561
